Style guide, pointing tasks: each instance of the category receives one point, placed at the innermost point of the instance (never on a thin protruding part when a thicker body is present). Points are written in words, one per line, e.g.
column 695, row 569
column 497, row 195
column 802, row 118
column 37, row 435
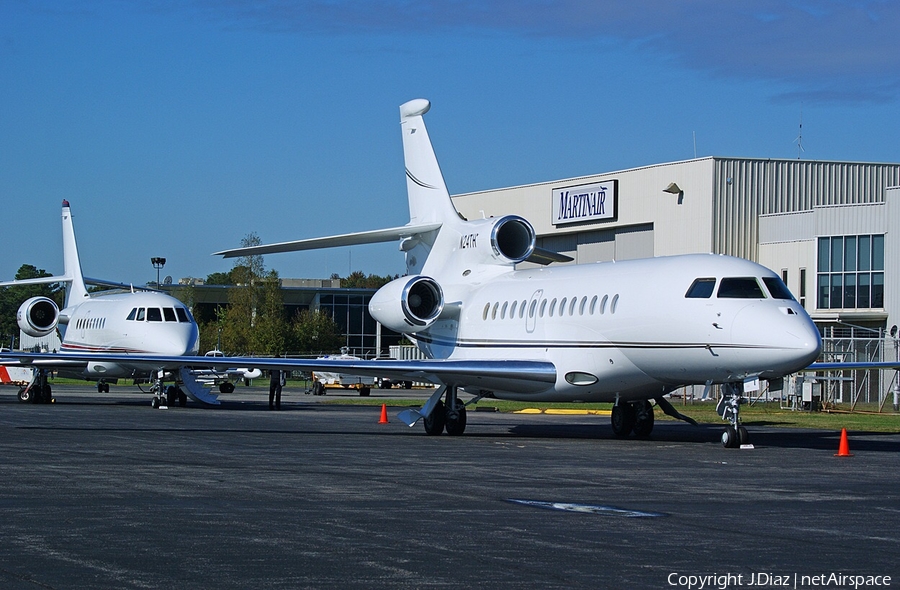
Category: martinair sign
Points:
column 586, row 202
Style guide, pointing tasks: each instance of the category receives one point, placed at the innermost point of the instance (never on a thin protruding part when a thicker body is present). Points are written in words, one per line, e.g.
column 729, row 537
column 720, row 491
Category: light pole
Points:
column 157, row 263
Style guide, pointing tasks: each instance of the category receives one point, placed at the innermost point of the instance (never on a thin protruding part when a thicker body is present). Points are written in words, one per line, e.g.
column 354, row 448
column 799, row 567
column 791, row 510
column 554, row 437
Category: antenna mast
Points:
column 799, row 140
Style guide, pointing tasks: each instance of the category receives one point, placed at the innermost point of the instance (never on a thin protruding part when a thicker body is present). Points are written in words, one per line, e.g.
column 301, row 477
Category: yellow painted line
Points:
column 562, row 412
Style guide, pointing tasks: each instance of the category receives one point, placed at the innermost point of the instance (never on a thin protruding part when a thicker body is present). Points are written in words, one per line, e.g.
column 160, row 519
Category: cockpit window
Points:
column 169, row 314
column 740, row 288
column 701, row 289
column 154, row 314
column 182, row 315
column 777, row 288
column 132, row 314
column 140, row 314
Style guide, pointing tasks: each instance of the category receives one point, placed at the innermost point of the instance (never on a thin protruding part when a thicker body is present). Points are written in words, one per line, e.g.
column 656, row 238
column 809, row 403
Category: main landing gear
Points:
column 628, row 417
column 166, row 396
column 449, row 415
column 729, row 408
column 637, row 416
column 38, row 391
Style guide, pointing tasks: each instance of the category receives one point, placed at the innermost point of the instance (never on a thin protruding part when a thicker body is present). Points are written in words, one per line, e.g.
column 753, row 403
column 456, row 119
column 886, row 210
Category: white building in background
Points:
column 824, row 226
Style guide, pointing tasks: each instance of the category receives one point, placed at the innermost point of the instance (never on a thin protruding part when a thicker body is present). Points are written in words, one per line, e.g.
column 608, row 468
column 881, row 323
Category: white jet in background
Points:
column 141, row 324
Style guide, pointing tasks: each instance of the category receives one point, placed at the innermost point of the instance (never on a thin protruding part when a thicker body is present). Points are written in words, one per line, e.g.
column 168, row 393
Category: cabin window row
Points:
column 90, row 323
column 550, row 307
column 155, row 314
column 739, row 288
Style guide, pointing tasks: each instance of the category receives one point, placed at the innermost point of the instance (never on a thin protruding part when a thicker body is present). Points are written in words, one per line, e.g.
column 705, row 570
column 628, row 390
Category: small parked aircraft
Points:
column 141, row 324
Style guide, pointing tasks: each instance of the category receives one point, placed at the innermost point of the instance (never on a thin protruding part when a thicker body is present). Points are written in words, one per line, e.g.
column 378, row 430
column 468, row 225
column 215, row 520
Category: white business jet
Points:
column 140, row 324
column 623, row 331
column 626, row 332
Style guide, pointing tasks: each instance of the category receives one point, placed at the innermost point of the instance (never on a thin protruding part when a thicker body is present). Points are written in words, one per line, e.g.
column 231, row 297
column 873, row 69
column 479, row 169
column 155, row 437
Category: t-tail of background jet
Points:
column 39, row 316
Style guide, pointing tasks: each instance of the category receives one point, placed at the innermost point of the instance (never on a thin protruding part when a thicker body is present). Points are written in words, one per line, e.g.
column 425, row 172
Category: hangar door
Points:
column 619, row 243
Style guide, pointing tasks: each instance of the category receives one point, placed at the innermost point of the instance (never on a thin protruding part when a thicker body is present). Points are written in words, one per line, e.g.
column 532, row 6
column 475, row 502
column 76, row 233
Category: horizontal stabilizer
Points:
column 38, row 281
column 353, row 239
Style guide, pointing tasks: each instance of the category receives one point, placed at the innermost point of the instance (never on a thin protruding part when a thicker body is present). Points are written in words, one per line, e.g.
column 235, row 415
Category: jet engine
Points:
column 38, row 316
column 506, row 240
column 512, row 238
column 408, row 304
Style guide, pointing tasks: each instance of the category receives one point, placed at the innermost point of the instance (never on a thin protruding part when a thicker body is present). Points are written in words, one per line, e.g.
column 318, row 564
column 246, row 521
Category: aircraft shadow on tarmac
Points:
column 762, row 436
column 684, row 433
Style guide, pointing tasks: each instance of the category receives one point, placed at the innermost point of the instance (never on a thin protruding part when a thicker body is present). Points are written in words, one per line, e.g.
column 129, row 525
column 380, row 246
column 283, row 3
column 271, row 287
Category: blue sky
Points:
column 176, row 128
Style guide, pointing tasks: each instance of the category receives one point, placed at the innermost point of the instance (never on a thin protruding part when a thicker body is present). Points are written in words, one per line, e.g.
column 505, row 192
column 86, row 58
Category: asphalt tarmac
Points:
column 102, row 491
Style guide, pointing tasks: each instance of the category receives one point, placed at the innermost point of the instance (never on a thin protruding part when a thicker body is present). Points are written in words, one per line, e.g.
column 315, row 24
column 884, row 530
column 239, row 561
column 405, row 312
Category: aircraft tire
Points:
column 318, row 388
column 743, row 437
column 46, row 395
column 24, row 395
column 182, row 398
column 729, row 438
column 458, row 426
column 154, row 403
column 623, row 418
column 171, row 395
column 226, row 387
column 435, row 422
column 643, row 424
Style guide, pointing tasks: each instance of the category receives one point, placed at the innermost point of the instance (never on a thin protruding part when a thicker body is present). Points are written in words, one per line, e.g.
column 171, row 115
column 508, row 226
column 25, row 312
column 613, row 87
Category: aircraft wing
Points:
column 852, row 366
column 495, row 375
column 53, row 360
column 353, row 239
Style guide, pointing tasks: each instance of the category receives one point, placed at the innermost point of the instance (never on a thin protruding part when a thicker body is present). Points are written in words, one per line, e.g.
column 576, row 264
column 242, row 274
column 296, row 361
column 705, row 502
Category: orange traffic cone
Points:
column 844, row 448
column 383, row 419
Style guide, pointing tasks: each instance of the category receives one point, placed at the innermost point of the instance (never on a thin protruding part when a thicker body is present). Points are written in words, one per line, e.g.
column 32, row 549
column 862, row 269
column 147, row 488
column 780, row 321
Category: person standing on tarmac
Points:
column 276, row 382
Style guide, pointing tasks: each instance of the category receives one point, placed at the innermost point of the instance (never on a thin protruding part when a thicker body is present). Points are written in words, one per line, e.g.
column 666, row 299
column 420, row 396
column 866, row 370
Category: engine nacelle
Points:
column 408, row 304
column 38, row 316
column 505, row 240
column 512, row 238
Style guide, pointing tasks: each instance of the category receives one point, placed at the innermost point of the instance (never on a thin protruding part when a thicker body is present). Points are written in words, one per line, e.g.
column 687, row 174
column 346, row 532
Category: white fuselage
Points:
column 627, row 329
column 140, row 323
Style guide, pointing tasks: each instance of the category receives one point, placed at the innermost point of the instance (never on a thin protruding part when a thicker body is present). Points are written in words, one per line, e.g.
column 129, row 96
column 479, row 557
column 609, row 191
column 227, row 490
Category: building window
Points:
column 850, row 272
column 803, row 287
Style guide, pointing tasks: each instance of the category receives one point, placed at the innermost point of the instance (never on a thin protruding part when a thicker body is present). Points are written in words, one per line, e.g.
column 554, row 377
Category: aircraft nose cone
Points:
column 809, row 352
column 185, row 344
column 784, row 330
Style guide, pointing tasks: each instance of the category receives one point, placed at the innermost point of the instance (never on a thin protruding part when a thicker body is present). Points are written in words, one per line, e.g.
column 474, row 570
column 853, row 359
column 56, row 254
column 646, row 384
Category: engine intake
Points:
column 38, row 316
column 408, row 304
column 513, row 238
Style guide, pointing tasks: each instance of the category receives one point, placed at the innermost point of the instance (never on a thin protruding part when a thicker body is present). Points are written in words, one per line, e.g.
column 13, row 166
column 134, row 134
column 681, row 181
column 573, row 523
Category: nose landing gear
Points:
column 729, row 408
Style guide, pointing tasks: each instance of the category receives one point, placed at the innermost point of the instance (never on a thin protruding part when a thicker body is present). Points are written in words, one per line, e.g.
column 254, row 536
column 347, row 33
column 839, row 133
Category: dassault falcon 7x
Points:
column 142, row 324
column 623, row 331
column 626, row 332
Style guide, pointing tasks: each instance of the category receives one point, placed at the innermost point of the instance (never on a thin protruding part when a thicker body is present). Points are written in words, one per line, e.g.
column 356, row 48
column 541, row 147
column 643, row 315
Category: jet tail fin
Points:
column 429, row 199
column 77, row 291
